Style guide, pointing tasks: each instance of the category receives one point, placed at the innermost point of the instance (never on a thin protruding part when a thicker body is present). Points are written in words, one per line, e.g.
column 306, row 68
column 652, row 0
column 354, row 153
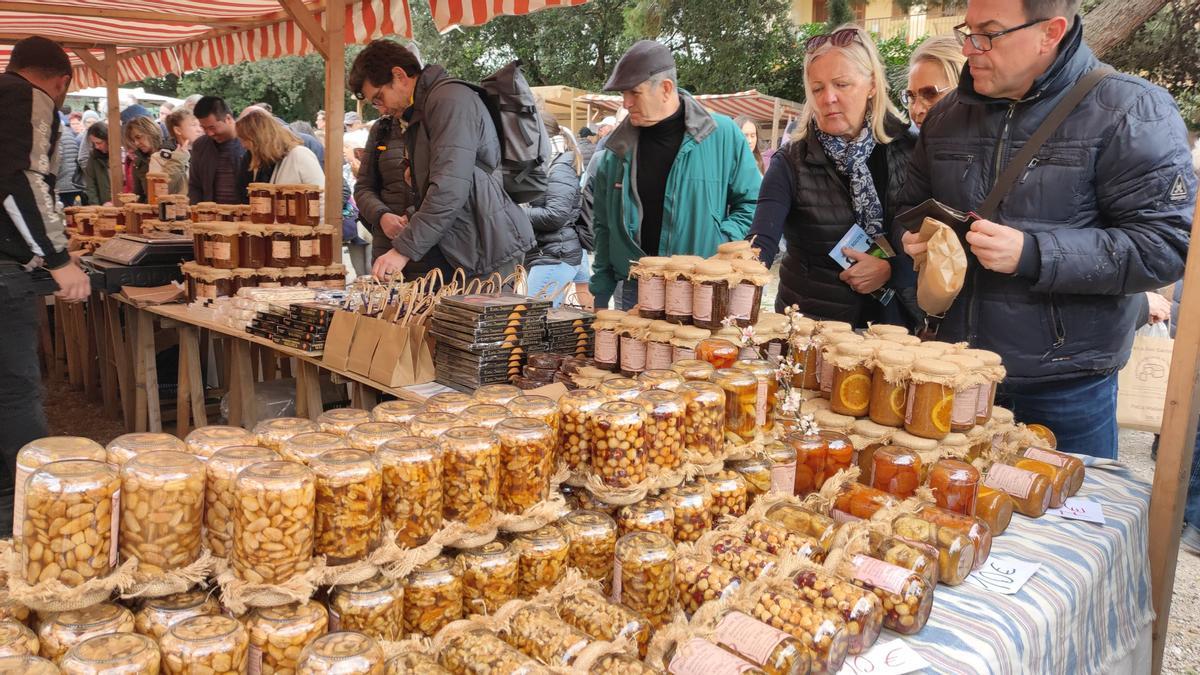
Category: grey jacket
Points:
column 463, row 211
column 1105, row 209
column 68, row 177
column 380, row 186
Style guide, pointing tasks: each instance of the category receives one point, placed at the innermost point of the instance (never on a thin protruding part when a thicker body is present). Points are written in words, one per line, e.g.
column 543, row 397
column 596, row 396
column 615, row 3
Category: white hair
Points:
column 863, row 54
column 671, row 74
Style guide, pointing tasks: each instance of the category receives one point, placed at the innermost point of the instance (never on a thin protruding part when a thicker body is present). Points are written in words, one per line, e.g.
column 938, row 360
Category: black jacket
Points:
column 202, row 172
column 380, row 187
column 31, row 225
column 1105, row 207
column 553, row 216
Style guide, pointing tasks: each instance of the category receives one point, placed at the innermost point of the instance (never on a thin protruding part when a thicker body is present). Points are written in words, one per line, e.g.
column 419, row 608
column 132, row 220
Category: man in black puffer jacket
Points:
column 1100, row 215
column 554, row 262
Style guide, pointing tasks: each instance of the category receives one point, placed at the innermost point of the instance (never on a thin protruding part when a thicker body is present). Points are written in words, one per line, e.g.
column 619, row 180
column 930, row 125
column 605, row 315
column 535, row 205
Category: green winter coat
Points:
column 712, row 191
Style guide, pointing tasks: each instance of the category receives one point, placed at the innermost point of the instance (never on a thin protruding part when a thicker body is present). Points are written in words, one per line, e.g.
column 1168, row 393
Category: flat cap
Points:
column 645, row 59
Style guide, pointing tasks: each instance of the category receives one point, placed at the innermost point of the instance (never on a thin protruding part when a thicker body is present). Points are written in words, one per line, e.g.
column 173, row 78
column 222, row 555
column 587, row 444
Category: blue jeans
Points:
column 1191, row 505
column 1082, row 412
column 546, row 280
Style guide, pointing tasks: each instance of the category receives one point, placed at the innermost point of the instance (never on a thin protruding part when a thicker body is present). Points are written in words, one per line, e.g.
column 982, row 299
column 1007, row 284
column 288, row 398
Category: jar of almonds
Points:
column 543, row 555
column 374, row 607
column 38, row 453
column 619, row 455
column 162, row 506
column 470, row 475
column 112, row 653
column 28, row 665
column 279, row 634
column 275, row 505
column 496, row 394
column 369, row 436
column 304, row 448
column 593, row 543
column 481, row 651
column 17, row 640
column 485, row 415
column 646, row 583
column 575, row 440
column 649, row 515
column 665, row 413
column 489, row 576
column 344, row 653
column 60, row 631
column 70, row 522
column 704, row 437
column 124, row 448
column 349, row 501
column 526, row 462
column 340, row 421
column 698, row 582
column 537, row 631
column 433, row 597
column 219, row 497
column 205, row 644
column 273, row 433
column 595, row 615
column 397, row 412
column 413, row 663
column 692, row 505
column 157, row 615
column 729, row 493
column 412, row 488
column 206, row 441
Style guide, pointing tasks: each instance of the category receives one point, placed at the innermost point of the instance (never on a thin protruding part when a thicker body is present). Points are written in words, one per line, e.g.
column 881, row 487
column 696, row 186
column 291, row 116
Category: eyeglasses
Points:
column 377, row 99
column 839, row 38
column 928, row 94
column 983, row 41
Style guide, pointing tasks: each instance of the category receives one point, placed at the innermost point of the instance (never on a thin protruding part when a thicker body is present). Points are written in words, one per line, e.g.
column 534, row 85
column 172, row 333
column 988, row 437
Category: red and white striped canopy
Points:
column 752, row 104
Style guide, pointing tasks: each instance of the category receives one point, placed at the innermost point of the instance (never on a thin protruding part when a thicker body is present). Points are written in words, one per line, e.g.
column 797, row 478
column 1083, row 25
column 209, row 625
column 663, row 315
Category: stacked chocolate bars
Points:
column 486, row 339
column 302, row 325
column 569, row 331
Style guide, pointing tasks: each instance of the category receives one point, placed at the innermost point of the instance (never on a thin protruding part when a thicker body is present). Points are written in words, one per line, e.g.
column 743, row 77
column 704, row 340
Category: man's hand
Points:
column 997, row 246
column 1160, row 307
column 913, row 245
column 73, row 283
column 392, row 224
column 389, row 264
column 867, row 274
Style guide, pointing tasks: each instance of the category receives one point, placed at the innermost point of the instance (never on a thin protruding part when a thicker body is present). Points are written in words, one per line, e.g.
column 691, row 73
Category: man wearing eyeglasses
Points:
column 1100, row 214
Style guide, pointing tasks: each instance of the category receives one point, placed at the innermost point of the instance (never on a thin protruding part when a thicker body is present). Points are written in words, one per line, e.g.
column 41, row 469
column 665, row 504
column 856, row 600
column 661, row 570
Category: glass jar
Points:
column 718, row 352
column 634, row 334
column 906, row 596
column 776, row 652
column 756, row 472
column 970, row 527
column 344, row 653
column 308, row 206
column 704, row 427
column 991, row 373
column 692, row 509
column 541, row 408
column 839, row 450
column 619, row 454
column 349, row 498
column 106, row 222
column 219, row 499
column 767, row 392
column 994, row 507
column 575, row 440
column 648, row 515
column 280, row 246
column 536, row 630
column 693, row 370
column 664, row 430
column 955, row 552
column 812, row 453
column 867, row 437
column 243, row 278
column 607, row 341
column 206, row 441
column 741, row 390
column 698, row 582
column 684, row 342
column 412, row 663
column 370, row 436
column 262, row 203
column 826, row 355
column 861, row 609
column 127, row 446
column 162, row 508
column 432, row 424
column 781, row 461
column 967, row 391
column 930, row 399
column 157, row 615
column 857, row 501
column 659, row 350
column 543, row 559
column 478, row 650
column 489, row 576
column 823, row 633
column 324, row 248
column 224, row 245
column 710, row 293
column 1069, row 464
column 735, row 555
column 645, row 576
column 59, row 631
column 339, row 421
column 1057, row 475
column 278, row 635
column 374, row 607
column 397, row 412
column 913, row 556
column 433, row 597
column 470, row 474
column 770, row 536
column 593, row 542
column 955, row 485
column 70, row 522
column 285, row 204
column 1031, row 491
column 804, row 521
column 897, row 471
column 850, row 392
column 274, row 503
column 306, row 447
column 452, row 402
column 201, row 246
column 621, row 388
column 677, row 273
column 526, row 463
column 496, row 394
column 112, row 653
column 269, row 277
column 253, row 246
column 729, row 494
column 745, row 293
column 40, row 452
column 17, row 640
column 592, row 613
column 28, row 665
column 697, row 656
column 484, row 415
column 651, row 286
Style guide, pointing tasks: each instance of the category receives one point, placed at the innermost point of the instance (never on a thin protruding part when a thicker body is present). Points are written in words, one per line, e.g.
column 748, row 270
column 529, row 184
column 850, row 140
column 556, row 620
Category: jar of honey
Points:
column 867, row 437
column 269, row 277
column 825, row 363
column 634, row 333
column 201, row 248
column 308, row 205
column 173, row 207
column 850, row 392
column 767, row 392
column 281, row 247
column 253, row 245
column 897, row 471
column 994, row 507
column 284, row 211
column 156, row 187
column 314, row 276
column 106, row 223
column 335, row 276
column 930, row 399
column 324, row 248
column 719, row 352
column 678, row 276
column 710, row 293
column 606, row 329
column 1069, row 463
column 307, row 246
column 1030, row 491
column 745, row 293
column 955, row 485
column 225, row 245
column 659, row 351
column 685, row 341
column 651, row 286
column 771, row 336
column 889, row 386
column 292, row 276
column 805, row 350
column 135, row 214
column 992, row 372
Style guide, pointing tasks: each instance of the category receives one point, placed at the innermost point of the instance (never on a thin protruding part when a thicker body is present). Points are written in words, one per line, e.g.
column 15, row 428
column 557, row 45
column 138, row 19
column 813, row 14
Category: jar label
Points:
column 679, row 298
column 633, row 354
column 684, row 353
column 698, row 656
column 652, row 293
column 966, row 402
column 606, row 346
column 749, row 637
column 909, row 402
column 254, row 660
column 783, row 478
column 281, row 249
column 774, row 349
column 221, row 250
column 879, row 574
column 825, row 376
column 983, row 397
column 1053, row 459
column 748, row 353
column 281, row 209
column 207, row 249
column 741, row 301
column 261, row 205
column 292, row 207
column 1010, row 479
column 314, row 209
column 114, row 547
column 306, row 248
column 702, row 302
column 204, row 290
column 760, row 404
column 658, row 356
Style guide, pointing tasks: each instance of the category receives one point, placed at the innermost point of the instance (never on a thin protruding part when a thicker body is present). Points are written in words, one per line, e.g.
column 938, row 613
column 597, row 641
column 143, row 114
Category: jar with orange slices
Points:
column 867, row 437
column 992, row 372
column 889, row 385
column 971, row 380
column 857, row 501
column 851, row 388
column 930, row 398
column 897, row 471
column 839, row 450
column 1043, row 432
column 828, row 359
column 1031, row 491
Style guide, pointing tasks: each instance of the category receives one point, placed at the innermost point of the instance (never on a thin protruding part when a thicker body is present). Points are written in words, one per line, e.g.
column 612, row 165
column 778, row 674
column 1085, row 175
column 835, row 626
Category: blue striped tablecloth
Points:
column 1081, row 612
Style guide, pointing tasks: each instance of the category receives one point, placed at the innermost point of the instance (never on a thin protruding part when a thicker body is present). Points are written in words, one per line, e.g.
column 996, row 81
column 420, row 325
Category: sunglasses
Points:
column 839, row 38
column 929, row 94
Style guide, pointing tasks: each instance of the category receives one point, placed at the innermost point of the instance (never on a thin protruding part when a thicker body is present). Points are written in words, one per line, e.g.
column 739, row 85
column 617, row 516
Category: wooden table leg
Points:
column 91, row 364
column 119, row 339
column 362, row 396
column 242, row 404
column 60, row 340
column 45, row 338
column 308, row 390
column 104, row 354
column 189, row 402
column 149, row 412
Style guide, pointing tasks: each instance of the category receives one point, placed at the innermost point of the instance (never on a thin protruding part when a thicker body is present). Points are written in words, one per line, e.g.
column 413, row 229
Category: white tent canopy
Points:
column 99, row 95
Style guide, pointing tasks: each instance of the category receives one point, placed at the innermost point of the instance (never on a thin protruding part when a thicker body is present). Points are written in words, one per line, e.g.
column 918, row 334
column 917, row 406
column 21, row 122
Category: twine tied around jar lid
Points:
column 688, row 337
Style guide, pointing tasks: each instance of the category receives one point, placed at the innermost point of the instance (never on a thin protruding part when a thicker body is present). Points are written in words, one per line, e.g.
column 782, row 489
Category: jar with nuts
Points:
column 206, row 441
column 913, row 556
column 278, row 634
column 485, row 415
column 481, row 652
column 756, row 472
column 369, row 436
column 397, row 412
column 694, row 370
column 543, row 559
column 646, row 579
column 591, row 502
column 661, row 379
column 621, row 664
column 593, row 543
column 496, row 394
column 157, row 615
column 575, row 440
column 374, row 607
column 773, row 650
column 124, row 448
column 619, row 454
column 489, row 576
column 538, row 407
column 273, row 522
column 692, row 505
column 17, row 640
column 432, row 424
column 433, row 597
column 28, row 665
column 906, row 596
column 735, row 555
column 412, row 488
column 205, row 644
column 697, row 656
column 665, row 415
column 349, row 501
column 11, row 609
column 766, row 391
column 860, row 609
column 621, row 388
column 344, row 653
column 649, row 515
column 704, row 437
column 60, row 631
column 526, row 462
column 39, row 453
column 771, row 537
column 452, row 402
column 953, row 552
column 971, row 527
column 273, row 433
column 111, row 654
column 219, row 498
column 538, row 632
column 729, row 493
column 70, row 522
column 340, row 421
column 822, row 632
column 414, row 663
column 698, row 582
column 470, row 475
column 593, row 614
column 304, row 448
column 162, row 508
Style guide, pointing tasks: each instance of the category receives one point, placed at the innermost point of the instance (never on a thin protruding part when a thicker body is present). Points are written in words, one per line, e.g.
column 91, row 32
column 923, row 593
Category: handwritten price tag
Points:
column 889, row 658
column 1003, row 575
column 1077, row 508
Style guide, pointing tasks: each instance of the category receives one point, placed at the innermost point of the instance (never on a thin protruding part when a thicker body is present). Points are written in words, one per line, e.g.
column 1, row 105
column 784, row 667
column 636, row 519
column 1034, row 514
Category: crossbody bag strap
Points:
column 1053, row 121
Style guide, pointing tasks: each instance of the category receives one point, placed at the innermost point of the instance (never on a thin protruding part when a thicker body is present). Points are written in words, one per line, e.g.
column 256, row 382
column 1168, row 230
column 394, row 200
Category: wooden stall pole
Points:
column 1175, row 446
column 335, row 111
column 116, row 173
column 776, row 117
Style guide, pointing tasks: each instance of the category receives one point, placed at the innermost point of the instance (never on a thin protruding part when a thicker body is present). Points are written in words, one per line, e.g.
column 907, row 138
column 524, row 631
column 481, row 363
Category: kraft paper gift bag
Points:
column 366, row 339
column 1142, row 383
column 421, row 343
column 337, row 342
column 941, row 270
column 392, row 363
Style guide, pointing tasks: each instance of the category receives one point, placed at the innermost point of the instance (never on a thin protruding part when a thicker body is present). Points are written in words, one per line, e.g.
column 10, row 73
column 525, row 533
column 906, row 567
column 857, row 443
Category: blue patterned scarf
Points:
column 850, row 159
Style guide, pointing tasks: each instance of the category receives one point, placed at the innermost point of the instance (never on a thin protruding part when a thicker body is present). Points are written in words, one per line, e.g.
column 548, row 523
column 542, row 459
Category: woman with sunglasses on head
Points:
column 842, row 169
column 933, row 71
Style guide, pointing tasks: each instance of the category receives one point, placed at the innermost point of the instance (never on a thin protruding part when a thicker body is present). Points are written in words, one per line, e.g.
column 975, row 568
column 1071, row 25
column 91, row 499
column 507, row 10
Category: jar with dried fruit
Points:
column 593, row 542
column 397, row 412
column 756, row 472
column 776, row 652
column 125, row 447
column 812, row 452
column 930, row 398
column 162, row 507
column 952, row 553
column 693, row 370
column 206, row 441
column 433, row 597
column 804, row 521
column 619, row 454
column 994, row 507
column 369, row 436
column 692, row 506
column 704, row 426
column 575, row 440
column 344, row 653
column 767, row 391
column 339, row 421
column 219, row 498
column 857, row 501
column 729, row 494
column 526, row 463
column 489, row 576
column 470, row 474
column 544, row 554
column 592, row 613
column 1059, row 476
column 279, row 634
column 897, row 471
column 275, row 503
column 822, row 632
column 1030, row 491
column 59, row 631
column 718, row 352
column 867, row 437
column 861, row 609
column 839, row 451
column 955, row 485
column 113, row 653
column 536, row 630
column 698, row 582
column 645, row 581
column 273, row 433
column 607, row 340
column 974, row 529
column 70, row 523
column 205, row 644
column 374, row 607
column 157, row 615
column 649, row 515
column 907, row 598
column 734, row 554
column 349, row 504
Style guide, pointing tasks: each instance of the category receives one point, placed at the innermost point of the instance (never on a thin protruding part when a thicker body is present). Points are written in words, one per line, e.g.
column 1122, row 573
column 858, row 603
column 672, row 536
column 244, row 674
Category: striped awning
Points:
column 758, row 107
column 448, row 14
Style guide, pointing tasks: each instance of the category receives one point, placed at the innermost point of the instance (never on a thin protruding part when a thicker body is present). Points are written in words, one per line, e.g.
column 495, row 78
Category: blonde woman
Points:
column 933, row 71
column 842, row 169
column 144, row 141
column 276, row 155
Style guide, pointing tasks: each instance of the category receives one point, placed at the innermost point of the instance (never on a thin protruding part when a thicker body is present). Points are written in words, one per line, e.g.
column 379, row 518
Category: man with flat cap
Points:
column 676, row 179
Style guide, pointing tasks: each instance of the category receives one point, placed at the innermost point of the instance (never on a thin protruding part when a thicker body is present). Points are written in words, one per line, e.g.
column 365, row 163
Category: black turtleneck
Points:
column 657, row 147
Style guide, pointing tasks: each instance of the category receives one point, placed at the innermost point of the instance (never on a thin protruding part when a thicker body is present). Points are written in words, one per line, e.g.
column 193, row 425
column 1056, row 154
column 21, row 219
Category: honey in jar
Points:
column 634, row 334
column 606, row 330
column 1072, row 465
column 677, row 274
column 225, row 247
column 930, row 399
column 889, row 386
column 745, row 293
column 651, row 286
column 262, row 203
column 994, row 507
column 897, row 471
column 710, row 293
column 850, row 392
column 308, row 205
column 804, row 350
column 955, row 485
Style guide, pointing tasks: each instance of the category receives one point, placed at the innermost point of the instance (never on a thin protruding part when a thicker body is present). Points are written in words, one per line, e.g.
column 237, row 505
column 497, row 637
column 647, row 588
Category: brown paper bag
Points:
column 1142, row 383
column 338, row 340
column 941, row 269
column 391, row 365
column 366, row 339
column 421, row 343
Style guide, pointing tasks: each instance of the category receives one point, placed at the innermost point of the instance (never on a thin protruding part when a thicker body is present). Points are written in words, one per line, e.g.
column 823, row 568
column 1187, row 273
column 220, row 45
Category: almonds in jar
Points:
column 279, row 634
column 344, row 653
column 157, row 615
column 537, row 631
column 273, row 433
column 59, row 631
column 125, row 447
column 646, row 578
column 349, row 497
column 206, row 441
column 111, row 654
column 70, row 522
column 412, row 488
column 17, row 640
column 219, row 497
column 38, row 453
column 593, row 614
column 273, row 522
column 369, row 436
column 397, row 412
column 339, row 421
column 481, row 652
column 306, row 447
column 374, row 607
column 162, row 507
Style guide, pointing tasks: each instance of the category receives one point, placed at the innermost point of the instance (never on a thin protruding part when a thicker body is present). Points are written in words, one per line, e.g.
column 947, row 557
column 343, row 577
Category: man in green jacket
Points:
column 675, row 179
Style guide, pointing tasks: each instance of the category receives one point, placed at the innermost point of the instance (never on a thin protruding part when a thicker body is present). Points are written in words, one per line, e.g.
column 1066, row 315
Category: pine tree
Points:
column 839, row 13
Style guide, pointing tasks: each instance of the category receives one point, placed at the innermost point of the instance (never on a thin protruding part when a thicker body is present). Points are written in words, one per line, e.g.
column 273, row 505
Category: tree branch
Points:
column 1114, row 21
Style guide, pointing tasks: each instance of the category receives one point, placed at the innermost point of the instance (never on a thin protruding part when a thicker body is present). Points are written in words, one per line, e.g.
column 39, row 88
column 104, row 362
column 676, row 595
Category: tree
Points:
column 1112, row 22
column 1166, row 51
column 839, row 13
